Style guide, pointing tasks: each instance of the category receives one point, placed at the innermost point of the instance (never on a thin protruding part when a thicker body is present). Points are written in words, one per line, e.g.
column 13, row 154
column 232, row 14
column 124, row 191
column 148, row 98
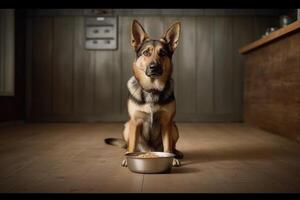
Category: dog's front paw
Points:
column 124, row 163
column 176, row 163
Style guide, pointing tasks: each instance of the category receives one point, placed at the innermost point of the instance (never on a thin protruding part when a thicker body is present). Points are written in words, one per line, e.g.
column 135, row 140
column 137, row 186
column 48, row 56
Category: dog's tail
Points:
column 116, row 142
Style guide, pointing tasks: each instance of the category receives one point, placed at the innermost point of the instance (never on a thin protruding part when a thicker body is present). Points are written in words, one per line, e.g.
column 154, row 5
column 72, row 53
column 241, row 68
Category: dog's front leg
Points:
column 167, row 137
column 168, row 141
column 166, row 131
column 134, row 129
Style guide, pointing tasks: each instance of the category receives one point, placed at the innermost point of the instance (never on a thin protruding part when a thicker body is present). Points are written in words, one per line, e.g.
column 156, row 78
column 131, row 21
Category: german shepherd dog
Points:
column 151, row 103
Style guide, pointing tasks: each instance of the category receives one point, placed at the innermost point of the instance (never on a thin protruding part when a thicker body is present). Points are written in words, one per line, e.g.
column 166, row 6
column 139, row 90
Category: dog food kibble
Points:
column 148, row 155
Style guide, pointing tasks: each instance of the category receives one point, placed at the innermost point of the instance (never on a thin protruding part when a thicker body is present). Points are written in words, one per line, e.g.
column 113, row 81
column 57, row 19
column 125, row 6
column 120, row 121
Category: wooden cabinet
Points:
column 101, row 33
column 272, row 82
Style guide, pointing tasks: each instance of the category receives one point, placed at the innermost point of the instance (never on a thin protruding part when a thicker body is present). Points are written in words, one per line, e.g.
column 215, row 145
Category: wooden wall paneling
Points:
column 7, row 57
column 107, row 82
column 28, row 66
column 154, row 26
column 117, row 74
column 10, row 53
column 20, row 63
column 186, row 52
column 63, row 58
column 223, row 61
column 193, row 12
column 123, row 12
column 167, row 23
column 83, row 71
column 41, row 74
column 92, row 84
column 12, row 101
column 2, row 20
column 205, row 65
column 172, row 12
column 242, row 33
column 215, row 12
column 127, row 57
column 145, row 12
column 157, row 12
column 103, row 82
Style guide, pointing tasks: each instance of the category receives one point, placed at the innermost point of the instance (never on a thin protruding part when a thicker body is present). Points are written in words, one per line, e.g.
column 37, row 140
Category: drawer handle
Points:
column 96, row 31
column 95, row 41
column 106, row 31
column 107, row 42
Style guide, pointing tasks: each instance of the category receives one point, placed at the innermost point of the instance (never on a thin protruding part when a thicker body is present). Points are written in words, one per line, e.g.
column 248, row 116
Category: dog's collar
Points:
column 153, row 91
column 141, row 96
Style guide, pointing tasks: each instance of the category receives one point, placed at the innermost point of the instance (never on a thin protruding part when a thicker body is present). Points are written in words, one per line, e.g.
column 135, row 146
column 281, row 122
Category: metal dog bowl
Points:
column 161, row 163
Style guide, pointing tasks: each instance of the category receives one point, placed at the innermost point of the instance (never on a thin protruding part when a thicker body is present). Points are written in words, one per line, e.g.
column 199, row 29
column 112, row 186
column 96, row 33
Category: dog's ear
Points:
column 172, row 35
column 138, row 34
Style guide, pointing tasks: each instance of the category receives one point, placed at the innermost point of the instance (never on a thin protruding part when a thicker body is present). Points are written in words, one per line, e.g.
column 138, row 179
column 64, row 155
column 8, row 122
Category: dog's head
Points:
column 153, row 64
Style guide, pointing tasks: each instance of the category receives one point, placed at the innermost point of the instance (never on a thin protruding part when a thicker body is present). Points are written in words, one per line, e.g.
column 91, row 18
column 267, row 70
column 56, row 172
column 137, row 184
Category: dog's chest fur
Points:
column 147, row 102
column 153, row 99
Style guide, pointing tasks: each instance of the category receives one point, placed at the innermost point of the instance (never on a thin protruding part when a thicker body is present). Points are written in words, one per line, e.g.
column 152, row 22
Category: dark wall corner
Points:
column 12, row 108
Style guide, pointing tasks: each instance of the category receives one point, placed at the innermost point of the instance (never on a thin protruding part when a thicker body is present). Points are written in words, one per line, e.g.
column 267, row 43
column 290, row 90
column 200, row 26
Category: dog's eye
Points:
column 146, row 53
column 162, row 53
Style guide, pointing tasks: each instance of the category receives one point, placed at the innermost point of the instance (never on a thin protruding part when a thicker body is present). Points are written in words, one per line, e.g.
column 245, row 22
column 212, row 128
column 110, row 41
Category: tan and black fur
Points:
column 151, row 90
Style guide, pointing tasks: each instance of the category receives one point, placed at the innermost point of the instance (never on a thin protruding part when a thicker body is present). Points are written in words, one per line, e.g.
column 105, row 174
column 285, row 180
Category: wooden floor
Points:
column 229, row 157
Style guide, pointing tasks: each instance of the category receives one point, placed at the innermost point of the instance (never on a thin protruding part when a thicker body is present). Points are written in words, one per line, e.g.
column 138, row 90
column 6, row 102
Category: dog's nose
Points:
column 153, row 66
column 154, row 69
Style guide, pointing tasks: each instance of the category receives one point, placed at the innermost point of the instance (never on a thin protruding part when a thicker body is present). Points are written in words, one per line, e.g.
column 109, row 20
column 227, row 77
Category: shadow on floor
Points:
column 184, row 170
column 245, row 152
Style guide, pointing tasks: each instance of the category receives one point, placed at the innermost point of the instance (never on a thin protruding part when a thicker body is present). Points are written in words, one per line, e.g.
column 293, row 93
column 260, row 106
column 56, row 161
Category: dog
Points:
column 151, row 102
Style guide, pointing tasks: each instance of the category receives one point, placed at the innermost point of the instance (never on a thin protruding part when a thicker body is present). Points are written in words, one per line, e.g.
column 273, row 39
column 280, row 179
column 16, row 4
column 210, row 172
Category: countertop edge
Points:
column 271, row 37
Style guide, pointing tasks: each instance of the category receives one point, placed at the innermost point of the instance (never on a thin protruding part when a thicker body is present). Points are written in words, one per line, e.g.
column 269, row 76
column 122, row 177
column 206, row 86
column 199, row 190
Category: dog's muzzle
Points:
column 154, row 69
